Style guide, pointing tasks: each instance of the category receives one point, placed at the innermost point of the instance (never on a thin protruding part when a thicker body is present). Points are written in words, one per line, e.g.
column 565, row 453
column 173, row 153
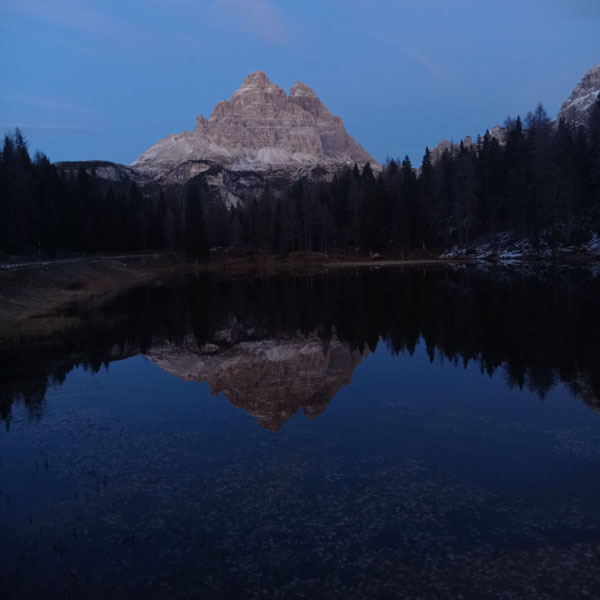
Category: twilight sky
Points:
column 105, row 79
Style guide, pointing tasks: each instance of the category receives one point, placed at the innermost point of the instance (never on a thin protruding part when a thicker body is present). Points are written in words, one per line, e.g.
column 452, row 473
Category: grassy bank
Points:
column 34, row 301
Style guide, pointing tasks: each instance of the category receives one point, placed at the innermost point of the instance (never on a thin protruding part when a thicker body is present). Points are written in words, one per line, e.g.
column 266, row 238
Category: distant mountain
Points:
column 575, row 111
column 259, row 128
column 260, row 136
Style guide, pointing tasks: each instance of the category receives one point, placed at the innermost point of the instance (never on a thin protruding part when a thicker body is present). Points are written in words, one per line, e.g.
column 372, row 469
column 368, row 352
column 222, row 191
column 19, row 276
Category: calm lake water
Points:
column 417, row 433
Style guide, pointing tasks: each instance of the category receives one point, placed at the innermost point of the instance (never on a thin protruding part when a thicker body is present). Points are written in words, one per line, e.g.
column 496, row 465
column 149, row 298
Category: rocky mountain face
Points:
column 270, row 378
column 575, row 110
column 260, row 136
column 261, row 131
column 577, row 107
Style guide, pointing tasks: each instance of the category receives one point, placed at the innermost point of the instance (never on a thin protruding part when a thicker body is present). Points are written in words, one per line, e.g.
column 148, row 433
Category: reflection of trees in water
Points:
column 540, row 328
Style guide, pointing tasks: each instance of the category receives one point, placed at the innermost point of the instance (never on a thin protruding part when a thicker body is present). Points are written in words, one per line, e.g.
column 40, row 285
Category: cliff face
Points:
column 260, row 137
column 259, row 129
column 271, row 379
column 577, row 107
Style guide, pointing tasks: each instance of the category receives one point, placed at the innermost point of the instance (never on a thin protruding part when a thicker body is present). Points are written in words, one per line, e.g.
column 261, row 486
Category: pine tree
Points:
column 194, row 233
column 115, row 238
column 426, row 187
column 537, row 119
column 516, row 173
column 134, row 218
column 157, row 235
column 277, row 233
column 371, row 238
column 592, row 176
column 236, row 237
column 87, row 200
column 48, row 192
column 490, row 177
column 409, row 205
column 20, row 216
column 466, row 194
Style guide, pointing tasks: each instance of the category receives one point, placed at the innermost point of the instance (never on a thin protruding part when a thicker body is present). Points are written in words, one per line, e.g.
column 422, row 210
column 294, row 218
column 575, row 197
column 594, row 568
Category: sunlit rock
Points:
column 260, row 129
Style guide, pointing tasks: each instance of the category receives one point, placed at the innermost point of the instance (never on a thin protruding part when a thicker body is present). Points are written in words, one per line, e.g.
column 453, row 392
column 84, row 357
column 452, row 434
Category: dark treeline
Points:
column 539, row 329
column 46, row 212
column 540, row 187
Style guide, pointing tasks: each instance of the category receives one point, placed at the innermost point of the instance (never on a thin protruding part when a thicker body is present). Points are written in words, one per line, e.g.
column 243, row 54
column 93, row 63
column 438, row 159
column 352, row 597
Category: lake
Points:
column 423, row 433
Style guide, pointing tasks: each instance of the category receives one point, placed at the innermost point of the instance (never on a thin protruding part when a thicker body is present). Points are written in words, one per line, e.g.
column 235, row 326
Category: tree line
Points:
column 44, row 211
column 539, row 187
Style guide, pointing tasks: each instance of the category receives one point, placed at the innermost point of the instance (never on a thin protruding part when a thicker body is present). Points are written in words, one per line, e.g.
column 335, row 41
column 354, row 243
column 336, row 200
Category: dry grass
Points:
column 36, row 327
column 33, row 301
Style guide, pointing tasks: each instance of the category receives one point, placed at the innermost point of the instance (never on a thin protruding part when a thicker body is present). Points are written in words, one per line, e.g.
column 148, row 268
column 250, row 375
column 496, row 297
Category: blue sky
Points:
column 104, row 79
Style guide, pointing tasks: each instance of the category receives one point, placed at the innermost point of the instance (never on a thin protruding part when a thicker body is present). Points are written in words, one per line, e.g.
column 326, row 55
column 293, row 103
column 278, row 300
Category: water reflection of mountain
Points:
column 541, row 328
column 272, row 378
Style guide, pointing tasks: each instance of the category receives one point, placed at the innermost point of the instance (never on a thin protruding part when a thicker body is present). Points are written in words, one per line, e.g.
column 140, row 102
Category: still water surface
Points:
column 356, row 435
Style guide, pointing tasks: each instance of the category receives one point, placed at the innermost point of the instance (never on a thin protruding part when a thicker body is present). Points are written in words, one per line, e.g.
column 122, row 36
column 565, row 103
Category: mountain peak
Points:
column 301, row 89
column 259, row 129
column 258, row 79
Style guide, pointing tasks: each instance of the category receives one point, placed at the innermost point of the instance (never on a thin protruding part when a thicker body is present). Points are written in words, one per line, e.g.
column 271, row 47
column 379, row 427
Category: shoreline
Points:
column 292, row 261
column 38, row 300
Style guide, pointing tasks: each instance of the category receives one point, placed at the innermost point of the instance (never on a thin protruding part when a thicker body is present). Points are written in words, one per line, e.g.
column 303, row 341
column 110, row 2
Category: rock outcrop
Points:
column 577, row 107
column 444, row 145
column 108, row 174
column 271, row 378
column 259, row 129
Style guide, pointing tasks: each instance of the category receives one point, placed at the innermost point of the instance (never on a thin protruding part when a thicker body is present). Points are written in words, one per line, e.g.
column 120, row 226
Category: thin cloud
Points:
column 438, row 71
column 46, row 101
column 259, row 18
column 435, row 69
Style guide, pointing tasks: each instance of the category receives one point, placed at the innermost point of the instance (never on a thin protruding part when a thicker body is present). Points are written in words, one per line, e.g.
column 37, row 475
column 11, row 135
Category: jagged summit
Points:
column 260, row 128
column 256, row 79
